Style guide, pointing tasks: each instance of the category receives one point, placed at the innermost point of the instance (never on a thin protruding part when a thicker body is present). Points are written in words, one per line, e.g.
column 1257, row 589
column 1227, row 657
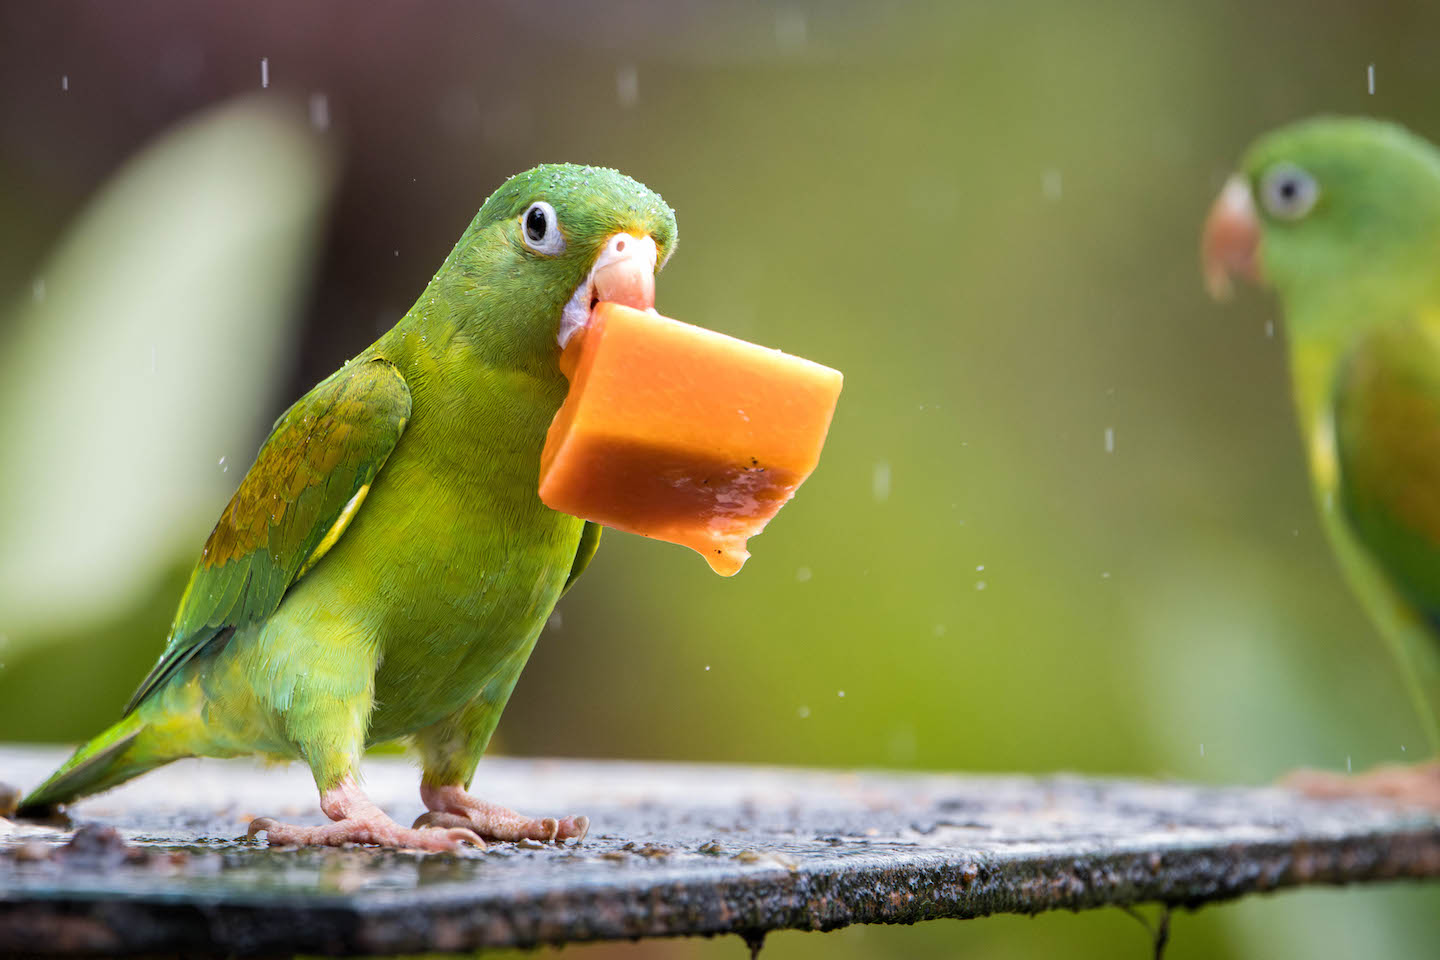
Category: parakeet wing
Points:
column 589, row 543
column 1387, row 431
column 305, row 487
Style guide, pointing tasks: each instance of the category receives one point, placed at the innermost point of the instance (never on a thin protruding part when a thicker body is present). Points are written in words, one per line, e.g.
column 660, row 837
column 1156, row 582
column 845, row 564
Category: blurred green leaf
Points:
column 132, row 383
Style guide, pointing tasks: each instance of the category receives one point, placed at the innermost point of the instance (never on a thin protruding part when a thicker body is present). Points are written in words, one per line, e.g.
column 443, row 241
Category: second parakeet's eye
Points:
column 1288, row 192
column 542, row 229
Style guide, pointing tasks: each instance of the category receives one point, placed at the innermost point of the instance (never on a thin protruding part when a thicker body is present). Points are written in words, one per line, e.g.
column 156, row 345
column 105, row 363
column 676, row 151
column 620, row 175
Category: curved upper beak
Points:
column 1231, row 240
column 624, row 272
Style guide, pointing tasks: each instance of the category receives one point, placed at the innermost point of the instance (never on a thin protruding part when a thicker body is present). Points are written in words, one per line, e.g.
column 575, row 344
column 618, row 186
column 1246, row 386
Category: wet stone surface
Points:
column 156, row 866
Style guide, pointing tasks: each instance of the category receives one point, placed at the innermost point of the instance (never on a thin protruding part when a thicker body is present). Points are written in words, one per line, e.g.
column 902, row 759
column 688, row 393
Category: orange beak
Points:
column 1231, row 240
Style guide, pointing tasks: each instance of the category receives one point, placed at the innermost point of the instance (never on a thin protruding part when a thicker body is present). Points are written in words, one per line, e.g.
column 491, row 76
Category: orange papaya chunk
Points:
column 683, row 434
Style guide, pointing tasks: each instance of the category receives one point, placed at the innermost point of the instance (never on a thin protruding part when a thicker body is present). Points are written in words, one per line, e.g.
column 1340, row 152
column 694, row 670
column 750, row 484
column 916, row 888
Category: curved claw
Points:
column 433, row 819
column 466, row 835
column 259, row 825
column 573, row 828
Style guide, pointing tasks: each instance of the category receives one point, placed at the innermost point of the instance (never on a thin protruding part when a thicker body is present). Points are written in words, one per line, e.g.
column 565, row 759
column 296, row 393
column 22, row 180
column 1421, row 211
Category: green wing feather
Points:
column 589, row 543
column 1387, row 432
column 307, row 483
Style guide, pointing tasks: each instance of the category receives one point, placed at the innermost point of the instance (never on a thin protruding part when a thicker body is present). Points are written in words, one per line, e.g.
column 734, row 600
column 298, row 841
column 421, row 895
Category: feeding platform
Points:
column 673, row 850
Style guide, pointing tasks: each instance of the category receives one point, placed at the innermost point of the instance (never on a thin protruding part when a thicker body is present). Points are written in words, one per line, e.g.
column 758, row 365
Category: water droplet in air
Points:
column 791, row 28
column 1051, row 185
column 880, row 481
column 319, row 111
column 627, row 84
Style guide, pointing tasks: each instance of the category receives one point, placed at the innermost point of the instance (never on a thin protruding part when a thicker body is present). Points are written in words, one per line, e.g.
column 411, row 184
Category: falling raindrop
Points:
column 1109, row 439
column 1051, row 185
column 880, row 481
column 803, row 713
column 979, row 584
column 264, row 72
column 803, row 574
column 791, row 28
column 39, row 289
column 1202, row 749
column 1370, row 79
column 319, row 111
column 627, row 85
column 65, row 82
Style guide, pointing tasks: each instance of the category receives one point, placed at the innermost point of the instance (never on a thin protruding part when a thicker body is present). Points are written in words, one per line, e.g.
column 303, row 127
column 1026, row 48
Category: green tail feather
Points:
column 106, row 761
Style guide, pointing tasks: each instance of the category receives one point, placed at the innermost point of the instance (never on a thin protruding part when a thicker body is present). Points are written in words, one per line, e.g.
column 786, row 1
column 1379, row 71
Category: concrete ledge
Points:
column 673, row 850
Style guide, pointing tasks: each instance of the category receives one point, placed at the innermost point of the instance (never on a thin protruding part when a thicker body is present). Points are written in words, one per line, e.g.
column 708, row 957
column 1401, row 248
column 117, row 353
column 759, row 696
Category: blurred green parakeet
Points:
column 386, row 565
column 1342, row 218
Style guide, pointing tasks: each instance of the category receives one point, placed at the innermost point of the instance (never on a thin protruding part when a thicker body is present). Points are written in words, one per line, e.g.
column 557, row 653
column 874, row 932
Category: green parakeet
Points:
column 386, row 565
column 1342, row 218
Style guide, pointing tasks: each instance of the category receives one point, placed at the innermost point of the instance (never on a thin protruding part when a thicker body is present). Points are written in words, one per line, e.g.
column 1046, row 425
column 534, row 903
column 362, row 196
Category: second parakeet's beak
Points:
column 624, row 273
column 1231, row 241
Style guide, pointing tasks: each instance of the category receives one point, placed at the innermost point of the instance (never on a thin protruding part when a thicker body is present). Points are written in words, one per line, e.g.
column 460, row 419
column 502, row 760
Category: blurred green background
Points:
column 1062, row 521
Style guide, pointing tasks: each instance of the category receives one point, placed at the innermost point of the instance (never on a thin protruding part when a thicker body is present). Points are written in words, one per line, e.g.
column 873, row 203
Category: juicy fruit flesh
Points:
column 683, row 434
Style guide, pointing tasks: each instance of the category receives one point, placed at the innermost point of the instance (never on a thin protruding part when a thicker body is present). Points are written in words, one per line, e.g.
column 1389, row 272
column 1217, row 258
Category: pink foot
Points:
column 357, row 820
column 452, row 808
column 1417, row 785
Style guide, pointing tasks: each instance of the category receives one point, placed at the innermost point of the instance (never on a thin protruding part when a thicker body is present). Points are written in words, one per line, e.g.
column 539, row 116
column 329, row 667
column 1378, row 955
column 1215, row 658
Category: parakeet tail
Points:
column 121, row 752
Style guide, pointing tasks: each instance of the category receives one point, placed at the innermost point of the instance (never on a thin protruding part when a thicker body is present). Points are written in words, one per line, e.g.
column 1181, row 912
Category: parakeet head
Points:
column 1328, row 207
column 551, row 242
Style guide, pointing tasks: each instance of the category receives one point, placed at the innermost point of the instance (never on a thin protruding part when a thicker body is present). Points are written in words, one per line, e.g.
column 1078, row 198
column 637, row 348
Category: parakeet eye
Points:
column 1288, row 192
column 541, row 229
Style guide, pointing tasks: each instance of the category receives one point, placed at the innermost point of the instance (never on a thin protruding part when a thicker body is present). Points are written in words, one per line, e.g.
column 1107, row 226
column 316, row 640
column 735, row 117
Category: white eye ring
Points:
column 540, row 228
column 1288, row 192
